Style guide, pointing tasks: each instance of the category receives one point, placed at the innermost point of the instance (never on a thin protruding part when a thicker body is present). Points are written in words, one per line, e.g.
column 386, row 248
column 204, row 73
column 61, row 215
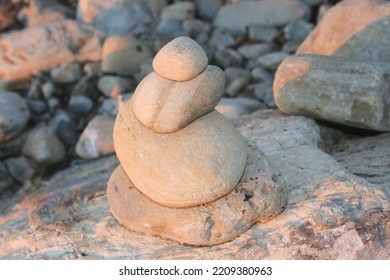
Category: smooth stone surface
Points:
column 43, row 146
column 363, row 29
column 262, row 32
column 335, row 89
column 260, row 195
column 123, row 55
column 112, row 86
column 253, row 51
column 206, row 9
column 14, row 115
column 20, row 169
column 180, row 11
column 297, row 31
column 66, row 73
column 54, row 44
column 80, row 104
column 166, row 106
column 96, row 139
column 233, row 108
column 116, row 17
column 195, row 165
column 271, row 60
column 275, row 13
column 182, row 59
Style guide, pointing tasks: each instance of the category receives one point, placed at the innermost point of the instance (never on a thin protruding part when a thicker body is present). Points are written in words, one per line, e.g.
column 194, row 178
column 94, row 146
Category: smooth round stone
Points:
column 166, row 106
column 195, row 165
column 260, row 195
column 14, row 115
column 182, row 59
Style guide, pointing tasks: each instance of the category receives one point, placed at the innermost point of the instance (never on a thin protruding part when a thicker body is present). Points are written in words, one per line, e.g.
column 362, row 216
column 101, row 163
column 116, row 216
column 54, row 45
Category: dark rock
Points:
column 20, row 169
column 80, row 104
column 5, row 178
column 297, row 31
column 207, row 9
column 66, row 73
column 37, row 106
column 227, row 58
column 13, row 146
column 67, row 132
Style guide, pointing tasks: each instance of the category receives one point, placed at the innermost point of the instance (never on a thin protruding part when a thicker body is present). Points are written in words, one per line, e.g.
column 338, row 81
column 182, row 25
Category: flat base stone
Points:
column 260, row 195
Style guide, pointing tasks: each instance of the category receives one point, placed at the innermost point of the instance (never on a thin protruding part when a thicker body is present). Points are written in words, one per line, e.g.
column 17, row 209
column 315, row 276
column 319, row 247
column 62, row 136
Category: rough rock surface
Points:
column 54, row 44
column 14, row 115
column 335, row 89
column 270, row 12
column 358, row 23
column 166, row 106
column 331, row 214
column 210, row 151
column 181, row 59
column 260, row 195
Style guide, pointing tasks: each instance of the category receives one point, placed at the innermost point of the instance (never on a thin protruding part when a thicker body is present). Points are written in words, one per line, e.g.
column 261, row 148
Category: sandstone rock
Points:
column 96, row 139
column 8, row 11
column 123, row 55
column 66, row 73
column 275, row 13
column 14, row 115
column 54, row 44
column 166, row 106
column 182, row 59
column 337, row 89
column 359, row 24
column 112, row 86
column 260, row 195
column 68, row 216
column 233, row 108
column 192, row 166
column 116, row 17
column 180, row 11
column 43, row 146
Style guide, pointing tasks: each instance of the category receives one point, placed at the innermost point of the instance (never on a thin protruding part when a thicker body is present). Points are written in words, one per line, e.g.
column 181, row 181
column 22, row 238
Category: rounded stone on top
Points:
column 180, row 60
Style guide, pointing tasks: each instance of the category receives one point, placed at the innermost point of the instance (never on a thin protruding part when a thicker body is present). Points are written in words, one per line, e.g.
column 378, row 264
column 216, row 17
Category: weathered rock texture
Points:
column 194, row 165
column 53, row 44
column 356, row 29
column 331, row 214
column 354, row 93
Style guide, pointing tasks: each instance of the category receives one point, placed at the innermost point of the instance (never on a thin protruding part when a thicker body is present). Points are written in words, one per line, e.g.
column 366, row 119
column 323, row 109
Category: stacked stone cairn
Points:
column 185, row 173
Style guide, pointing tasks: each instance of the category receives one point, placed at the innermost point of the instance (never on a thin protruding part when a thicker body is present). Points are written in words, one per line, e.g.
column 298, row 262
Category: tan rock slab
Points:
column 26, row 52
column 166, row 106
column 195, row 165
column 181, row 59
column 260, row 195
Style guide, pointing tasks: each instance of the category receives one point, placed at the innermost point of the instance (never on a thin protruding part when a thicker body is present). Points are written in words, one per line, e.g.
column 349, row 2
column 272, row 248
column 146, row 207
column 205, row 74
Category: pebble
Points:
column 53, row 104
column 80, row 104
column 87, row 86
column 238, row 16
column 96, row 139
column 20, row 168
column 37, row 106
column 235, row 87
column 13, row 146
column 43, row 147
column 170, row 28
column 166, row 106
column 259, row 74
column 113, row 17
column 93, row 68
column 233, row 108
column 112, row 86
column 290, row 47
column 67, row 132
column 227, row 58
column 211, row 153
column 5, row 178
column 66, row 73
column 145, row 69
column 221, row 39
column 297, row 31
column 255, row 50
column 182, row 59
column 180, row 11
column 14, row 115
column 195, row 27
column 48, row 89
column 262, row 32
column 339, row 95
column 233, row 73
column 123, row 55
column 109, row 107
column 206, row 9
column 272, row 60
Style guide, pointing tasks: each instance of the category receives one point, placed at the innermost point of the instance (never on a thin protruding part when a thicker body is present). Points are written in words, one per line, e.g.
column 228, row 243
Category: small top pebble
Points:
column 182, row 59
